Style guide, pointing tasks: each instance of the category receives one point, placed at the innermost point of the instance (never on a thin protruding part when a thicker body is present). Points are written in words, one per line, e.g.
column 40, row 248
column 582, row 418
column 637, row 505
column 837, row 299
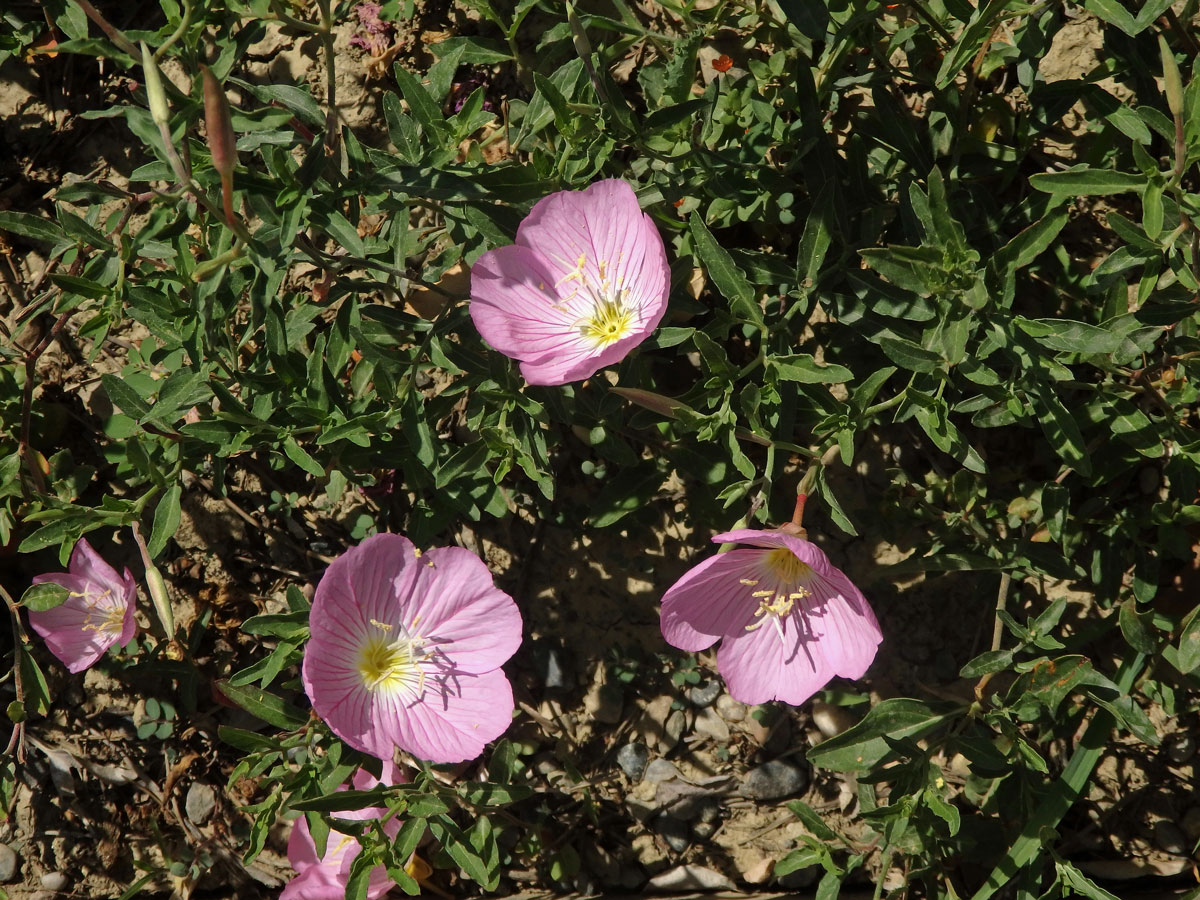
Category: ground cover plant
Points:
column 375, row 379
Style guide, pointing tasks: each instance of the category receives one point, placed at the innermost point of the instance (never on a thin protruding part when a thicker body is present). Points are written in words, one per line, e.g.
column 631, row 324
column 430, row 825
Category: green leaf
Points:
column 1062, row 431
column 455, row 843
column 1079, row 883
column 267, row 706
column 803, row 368
column 490, row 794
column 1082, row 181
column 863, row 745
column 1189, row 645
column 44, row 596
column 725, row 274
column 343, row 800
column 987, row 662
column 124, row 397
column 1114, row 13
column 402, row 130
column 812, row 821
column 420, row 103
column 288, row 626
column 910, row 355
column 166, row 521
column 302, row 458
column 1136, row 628
column 30, row 226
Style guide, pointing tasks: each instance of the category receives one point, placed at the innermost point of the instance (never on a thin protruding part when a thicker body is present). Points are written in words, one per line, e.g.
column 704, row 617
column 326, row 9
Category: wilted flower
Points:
column 325, row 877
column 789, row 621
column 406, row 650
column 585, row 282
column 97, row 613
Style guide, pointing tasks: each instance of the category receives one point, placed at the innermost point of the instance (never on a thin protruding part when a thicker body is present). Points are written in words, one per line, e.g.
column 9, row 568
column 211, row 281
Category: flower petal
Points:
column 710, row 600
column 759, row 665
column 456, row 604
column 474, row 710
column 843, row 625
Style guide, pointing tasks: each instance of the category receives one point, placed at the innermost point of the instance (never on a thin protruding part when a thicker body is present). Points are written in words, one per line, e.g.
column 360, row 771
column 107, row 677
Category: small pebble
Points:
column 8, row 863
column 633, row 758
column 1180, row 747
column 731, row 710
column 200, row 803
column 55, row 881
column 548, row 665
column 705, row 695
column 673, row 831
column 710, row 724
column 674, row 726
column 831, row 720
column 660, row 770
column 1170, row 837
column 604, row 705
column 702, row 831
column 774, row 780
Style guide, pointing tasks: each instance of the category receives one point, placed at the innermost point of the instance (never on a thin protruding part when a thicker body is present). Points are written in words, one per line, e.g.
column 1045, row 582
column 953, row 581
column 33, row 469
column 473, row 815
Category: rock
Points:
column 55, row 881
column 1170, row 837
column 830, row 720
column 9, row 863
column 660, row 770
column 710, row 724
column 200, row 802
column 548, row 665
column 1180, row 747
column 676, row 722
column 673, row 831
column 633, row 759
column 691, row 878
column 702, row 831
column 603, row 864
column 731, row 710
column 774, row 780
column 759, row 871
column 705, row 695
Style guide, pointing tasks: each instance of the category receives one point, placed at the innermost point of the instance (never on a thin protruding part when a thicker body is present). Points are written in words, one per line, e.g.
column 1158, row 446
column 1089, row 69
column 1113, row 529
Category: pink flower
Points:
column 790, row 621
column 406, row 648
column 584, row 284
column 324, row 878
column 97, row 613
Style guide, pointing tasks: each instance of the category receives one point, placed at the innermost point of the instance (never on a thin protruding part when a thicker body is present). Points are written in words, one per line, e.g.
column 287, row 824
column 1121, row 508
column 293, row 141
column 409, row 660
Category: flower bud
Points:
column 1172, row 83
column 221, row 141
column 155, row 95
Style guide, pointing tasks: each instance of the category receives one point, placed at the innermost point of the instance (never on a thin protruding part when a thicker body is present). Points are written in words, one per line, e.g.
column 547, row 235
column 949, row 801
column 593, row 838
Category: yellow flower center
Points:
column 101, row 618
column 608, row 324
column 789, row 575
column 390, row 665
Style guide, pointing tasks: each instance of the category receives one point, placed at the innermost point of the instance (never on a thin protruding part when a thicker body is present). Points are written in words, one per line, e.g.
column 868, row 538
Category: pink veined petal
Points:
column 758, row 666
column 710, row 600
column 325, row 879
column 380, row 572
column 454, row 727
column 89, row 564
column 843, row 625
column 335, row 687
column 455, row 603
column 65, row 627
column 515, row 304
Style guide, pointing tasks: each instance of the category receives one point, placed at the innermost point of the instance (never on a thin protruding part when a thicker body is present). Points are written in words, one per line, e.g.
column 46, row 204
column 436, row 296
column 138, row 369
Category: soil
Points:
column 97, row 806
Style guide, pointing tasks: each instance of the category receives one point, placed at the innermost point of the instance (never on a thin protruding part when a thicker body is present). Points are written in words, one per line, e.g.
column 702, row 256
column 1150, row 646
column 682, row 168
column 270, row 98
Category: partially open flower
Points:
column 325, row 877
column 406, row 648
column 788, row 621
column 97, row 613
column 585, row 283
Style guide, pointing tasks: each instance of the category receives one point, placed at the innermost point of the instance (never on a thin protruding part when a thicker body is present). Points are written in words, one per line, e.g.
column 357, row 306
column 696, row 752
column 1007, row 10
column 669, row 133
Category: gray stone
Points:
column 549, row 666
column 200, row 803
column 674, row 726
column 702, row 831
column 731, row 710
column 774, row 780
column 55, row 881
column 633, row 759
column 661, row 770
column 1170, row 837
column 705, row 694
column 710, row 724
column 673, row 831
column 8, row 864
